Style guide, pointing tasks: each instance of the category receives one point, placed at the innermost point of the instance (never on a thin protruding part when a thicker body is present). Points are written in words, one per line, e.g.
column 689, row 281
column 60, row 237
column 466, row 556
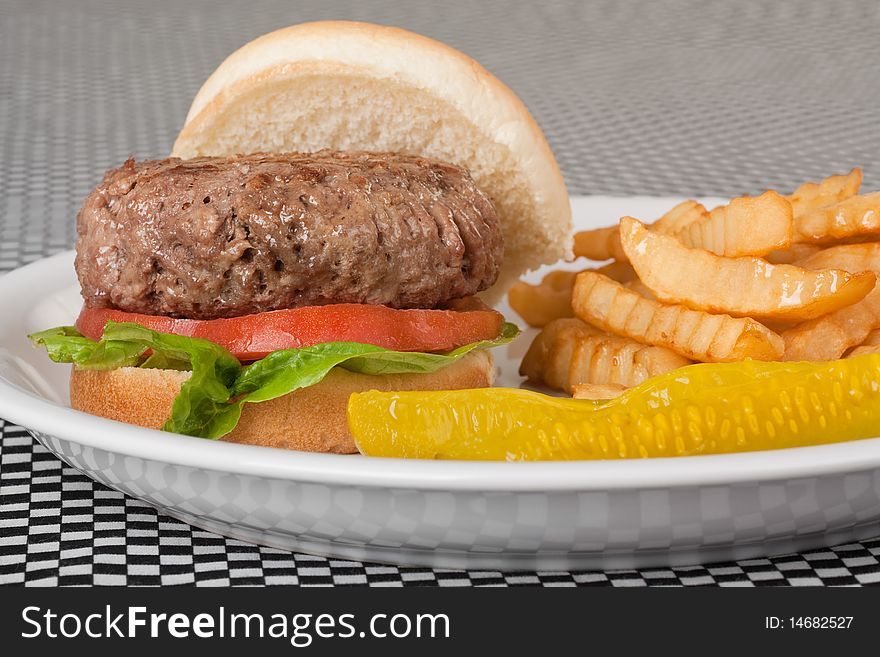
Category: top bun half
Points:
column 357, row 86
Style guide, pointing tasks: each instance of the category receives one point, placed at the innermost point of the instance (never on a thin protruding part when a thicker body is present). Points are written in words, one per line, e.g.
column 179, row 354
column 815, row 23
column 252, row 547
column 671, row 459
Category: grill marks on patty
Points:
column 223, row 237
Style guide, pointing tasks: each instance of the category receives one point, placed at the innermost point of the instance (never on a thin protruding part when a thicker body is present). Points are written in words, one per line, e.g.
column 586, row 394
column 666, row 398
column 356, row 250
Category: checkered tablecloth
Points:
column 689, row 98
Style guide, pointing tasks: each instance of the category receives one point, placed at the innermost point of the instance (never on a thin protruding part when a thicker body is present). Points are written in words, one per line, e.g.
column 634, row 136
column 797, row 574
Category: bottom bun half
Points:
column 311, row 419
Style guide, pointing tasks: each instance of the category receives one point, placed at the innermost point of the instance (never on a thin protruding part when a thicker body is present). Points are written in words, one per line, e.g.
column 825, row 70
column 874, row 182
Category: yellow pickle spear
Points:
column 710, row 408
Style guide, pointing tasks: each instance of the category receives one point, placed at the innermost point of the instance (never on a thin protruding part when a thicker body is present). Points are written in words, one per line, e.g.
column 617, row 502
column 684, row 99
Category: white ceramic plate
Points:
column 548, row 516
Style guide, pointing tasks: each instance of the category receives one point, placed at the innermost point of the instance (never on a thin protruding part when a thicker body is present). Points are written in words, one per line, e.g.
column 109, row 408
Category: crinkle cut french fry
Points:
column 557, row 339
column 540, row 304
column 828, row 337
column 694, row 334
column 858, row 216
column 599, row 244
column 742, row 287
column 849, row 257
column 680, row 217
column 811, row 196
column 598, row 391
column 569, row 352
column 745, row 226
column 604, row 243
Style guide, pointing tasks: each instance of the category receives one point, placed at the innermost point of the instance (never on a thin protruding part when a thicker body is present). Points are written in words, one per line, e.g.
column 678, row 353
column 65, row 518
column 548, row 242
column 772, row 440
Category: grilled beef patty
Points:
column 222, row 237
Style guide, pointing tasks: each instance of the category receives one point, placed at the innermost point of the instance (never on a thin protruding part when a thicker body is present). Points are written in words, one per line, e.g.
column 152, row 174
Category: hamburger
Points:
column 342, row 206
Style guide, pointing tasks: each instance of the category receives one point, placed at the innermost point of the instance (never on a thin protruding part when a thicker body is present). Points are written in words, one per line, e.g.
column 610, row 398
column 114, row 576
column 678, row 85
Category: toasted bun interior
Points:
column 312, row 419
column 357, row 86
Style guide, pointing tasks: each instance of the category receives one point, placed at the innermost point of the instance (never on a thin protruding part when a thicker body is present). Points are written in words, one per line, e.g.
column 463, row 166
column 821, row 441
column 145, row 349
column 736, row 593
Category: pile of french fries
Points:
column 771, row 277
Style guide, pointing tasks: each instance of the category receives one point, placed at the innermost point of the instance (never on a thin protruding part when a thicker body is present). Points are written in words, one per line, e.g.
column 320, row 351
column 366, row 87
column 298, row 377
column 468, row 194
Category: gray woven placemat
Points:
column 690, row 98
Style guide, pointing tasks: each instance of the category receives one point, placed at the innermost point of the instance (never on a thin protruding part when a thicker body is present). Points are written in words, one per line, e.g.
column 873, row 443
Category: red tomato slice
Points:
column 252, row 337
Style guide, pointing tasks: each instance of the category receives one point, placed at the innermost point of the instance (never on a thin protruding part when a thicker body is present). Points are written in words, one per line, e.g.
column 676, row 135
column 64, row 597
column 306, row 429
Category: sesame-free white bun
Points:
column 357, row 86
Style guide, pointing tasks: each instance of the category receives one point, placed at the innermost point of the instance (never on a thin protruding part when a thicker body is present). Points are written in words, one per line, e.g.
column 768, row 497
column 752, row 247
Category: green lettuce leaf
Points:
column 203, row 397
column 210, row 401
column 65, row 344
column 286, row 370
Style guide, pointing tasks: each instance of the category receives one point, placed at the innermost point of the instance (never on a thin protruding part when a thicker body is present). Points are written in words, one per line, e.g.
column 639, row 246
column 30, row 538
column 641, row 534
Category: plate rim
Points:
column 36, row 414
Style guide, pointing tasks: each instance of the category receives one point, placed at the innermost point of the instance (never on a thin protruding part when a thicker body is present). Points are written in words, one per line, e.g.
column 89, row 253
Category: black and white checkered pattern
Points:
column 689, row 98
column 59, row 527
